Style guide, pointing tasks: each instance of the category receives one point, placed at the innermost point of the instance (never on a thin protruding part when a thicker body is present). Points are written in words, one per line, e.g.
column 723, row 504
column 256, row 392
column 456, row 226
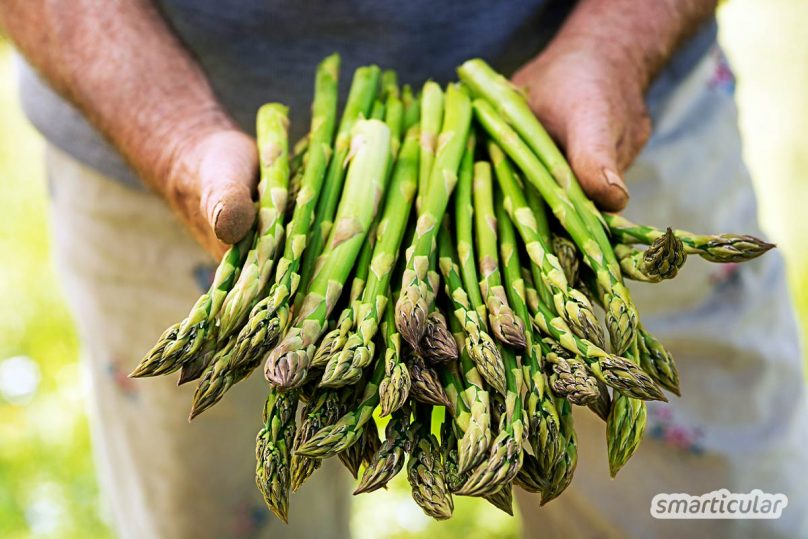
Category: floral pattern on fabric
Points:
column 248, row 519
column 662, row 425
column 203, row 276
column 117, row 371
column 723, row 79
column 725, row 276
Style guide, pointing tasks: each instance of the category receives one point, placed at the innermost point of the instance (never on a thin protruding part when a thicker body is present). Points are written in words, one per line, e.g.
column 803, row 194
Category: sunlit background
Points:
column 47, row 483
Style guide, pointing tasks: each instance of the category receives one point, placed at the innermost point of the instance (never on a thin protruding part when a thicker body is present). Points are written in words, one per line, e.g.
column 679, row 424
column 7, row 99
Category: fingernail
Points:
column 614, row 180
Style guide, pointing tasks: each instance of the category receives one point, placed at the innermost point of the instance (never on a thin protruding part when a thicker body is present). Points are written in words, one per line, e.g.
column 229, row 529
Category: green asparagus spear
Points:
column 425, row 470
column 542, row 418
column 432, row 101
column 359, row 104
column 412, row 107
column 553, row 287
column 621, row 315
column 657, row 361
column 346, row 364
column 481, row 347
column 394, row 389
column 348, row 430
column 720, row 248
column 288, row 364
column 416, row 296
column 505, row 456
column 438, row 345
column 325, row 408
column 273, row 152
column 270, row 316
column 505, row 325
column 193, row 331
column 559, row 478
column 662, row 260
column 273, row 446
column 389, row 459
column 625, row 425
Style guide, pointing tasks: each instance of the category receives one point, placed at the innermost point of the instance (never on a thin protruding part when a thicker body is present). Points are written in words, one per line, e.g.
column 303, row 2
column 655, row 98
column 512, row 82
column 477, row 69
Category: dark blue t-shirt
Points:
column 256, row 51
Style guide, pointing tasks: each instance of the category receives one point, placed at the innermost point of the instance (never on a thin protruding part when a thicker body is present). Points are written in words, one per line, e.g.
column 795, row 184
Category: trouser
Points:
column 130, row 270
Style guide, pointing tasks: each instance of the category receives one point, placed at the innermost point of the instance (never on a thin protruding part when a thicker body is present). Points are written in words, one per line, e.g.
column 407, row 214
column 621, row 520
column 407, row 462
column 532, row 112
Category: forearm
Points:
column 638, row 35
column 120, row 64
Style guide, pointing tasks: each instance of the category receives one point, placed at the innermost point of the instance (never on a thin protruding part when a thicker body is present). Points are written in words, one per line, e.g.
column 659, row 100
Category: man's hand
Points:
column 588, row 86
column 123, row 67
column 209, row 183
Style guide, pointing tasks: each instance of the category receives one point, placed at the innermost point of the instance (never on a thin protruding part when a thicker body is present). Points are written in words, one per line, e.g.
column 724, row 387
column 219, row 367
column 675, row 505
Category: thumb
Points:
column 592, row 149
column 227, row 176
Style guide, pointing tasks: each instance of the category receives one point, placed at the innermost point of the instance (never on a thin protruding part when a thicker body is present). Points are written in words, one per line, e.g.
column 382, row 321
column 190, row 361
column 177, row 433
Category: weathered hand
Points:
column 209, row 184
column 590, row 98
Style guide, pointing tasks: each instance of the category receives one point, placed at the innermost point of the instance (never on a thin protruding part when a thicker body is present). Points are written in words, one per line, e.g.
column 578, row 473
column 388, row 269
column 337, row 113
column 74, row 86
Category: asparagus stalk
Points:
column 560, row 476
column 325, row 408
column 473, row 398
column 438, row 345
column 625, row 425
column 394, row 389
column 393, row 109
column 346, row 364
column 216, row 380
column 571, row 378
column 426, row 386
column 333, row 341
column 218, row 377
column 273, row 152
column 193, row 369
column 568, row 257
column 416, row 295
column 464, row 219
column 662, row 260
column 389, row 459
column 530, row 477
column 502, row 499
column 505, row 325
column 621, row 315
column 505, row 456
column 338, row 437
column 542, row 418
column 270, row 316
column 719, row 248
column 552, row 285
column 432, row 101
column 199, row 364
column 425, row 470
column 362, row 451
column 614, row 371
column 448, row 443
column 288, row 364
column 273, row 445
column 412, row 107
column 481, row 347
column 657, row 362
column 297, row 167
column 377, row 111
column 178, row 344
column 360, row 102
column 603, row 404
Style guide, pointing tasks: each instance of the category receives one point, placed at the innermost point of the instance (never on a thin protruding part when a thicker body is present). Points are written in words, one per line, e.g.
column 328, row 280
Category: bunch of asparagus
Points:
column 430, row 262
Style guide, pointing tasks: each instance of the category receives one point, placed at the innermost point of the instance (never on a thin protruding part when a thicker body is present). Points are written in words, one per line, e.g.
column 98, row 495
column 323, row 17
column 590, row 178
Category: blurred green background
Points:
column 47, row 483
